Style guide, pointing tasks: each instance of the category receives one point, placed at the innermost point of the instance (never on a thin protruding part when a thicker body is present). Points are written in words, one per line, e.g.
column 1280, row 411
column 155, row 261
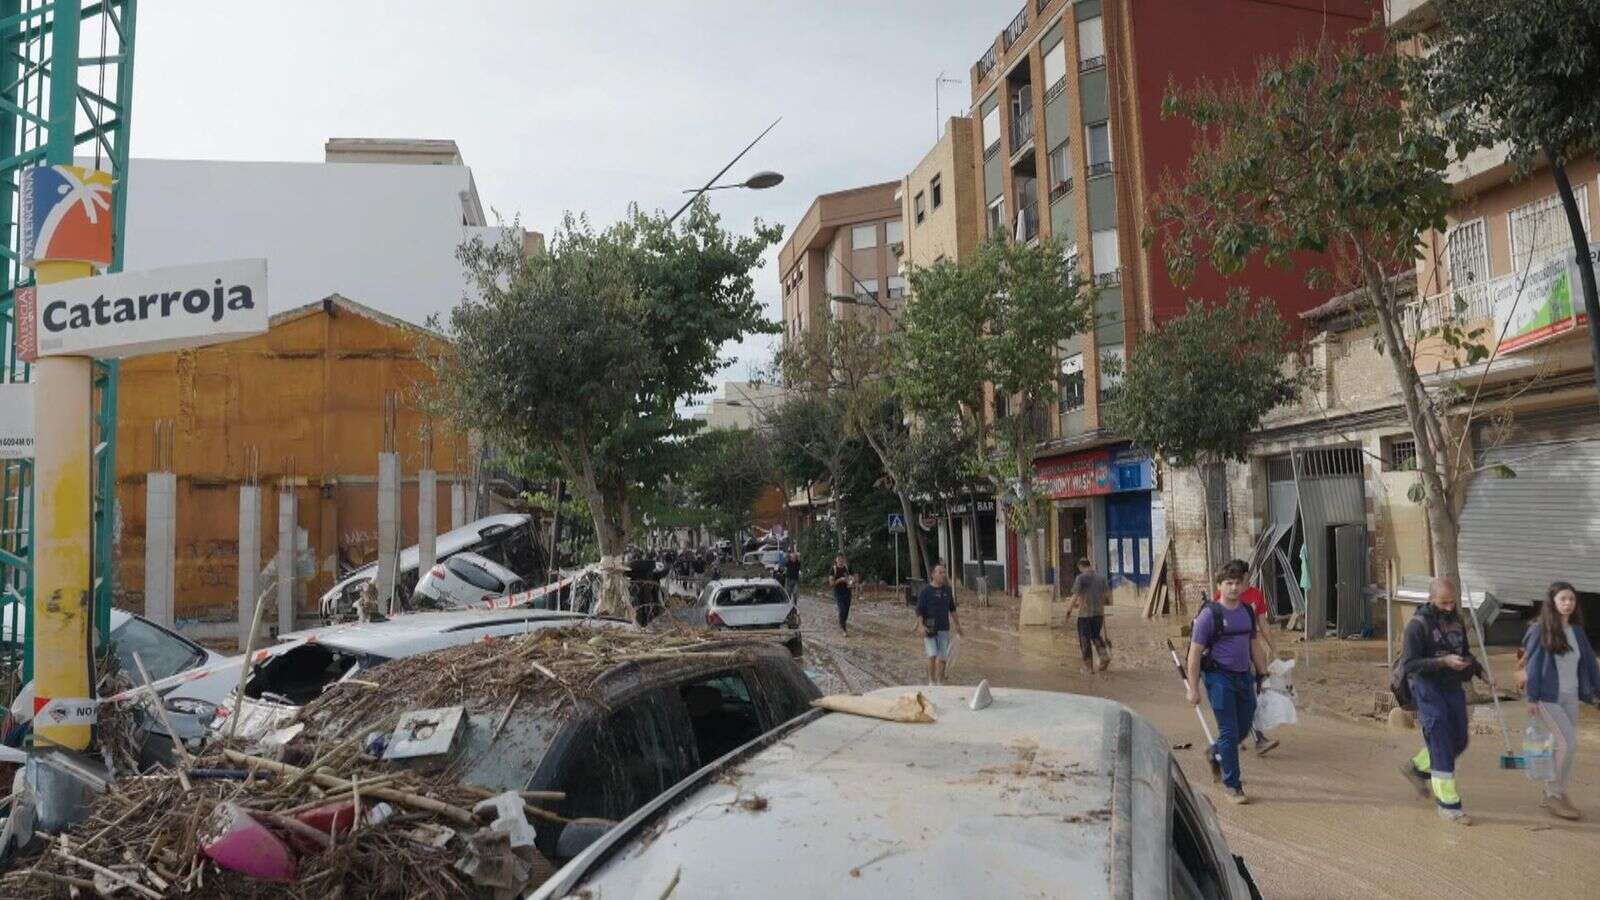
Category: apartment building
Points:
column 840, row 259
column 1506, row 262
column 1071, row 144
column 937, row 200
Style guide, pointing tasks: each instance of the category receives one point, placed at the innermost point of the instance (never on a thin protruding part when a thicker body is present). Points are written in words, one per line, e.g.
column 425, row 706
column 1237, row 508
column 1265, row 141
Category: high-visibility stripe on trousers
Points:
column 1442, row 713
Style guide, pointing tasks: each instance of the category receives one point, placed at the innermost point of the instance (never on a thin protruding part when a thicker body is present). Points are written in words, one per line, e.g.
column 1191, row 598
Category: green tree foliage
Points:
column 1523, row 75
column 732, row 468
column 585, row 352
column 1197, row 387
column 995, row 321
column 1320, row 159
column 811, row 443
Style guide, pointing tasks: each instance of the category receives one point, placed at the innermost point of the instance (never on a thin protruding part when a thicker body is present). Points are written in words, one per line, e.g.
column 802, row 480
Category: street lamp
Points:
column 759, row 181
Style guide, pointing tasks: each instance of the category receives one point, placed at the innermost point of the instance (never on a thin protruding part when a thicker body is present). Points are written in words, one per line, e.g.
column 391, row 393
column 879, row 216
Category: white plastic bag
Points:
column 1280, row 676
column 1274, row 708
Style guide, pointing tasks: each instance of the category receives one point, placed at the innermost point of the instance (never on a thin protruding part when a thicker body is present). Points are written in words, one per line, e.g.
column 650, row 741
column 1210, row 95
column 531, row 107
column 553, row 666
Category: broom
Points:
column 1509, row 759
column 1216, row 764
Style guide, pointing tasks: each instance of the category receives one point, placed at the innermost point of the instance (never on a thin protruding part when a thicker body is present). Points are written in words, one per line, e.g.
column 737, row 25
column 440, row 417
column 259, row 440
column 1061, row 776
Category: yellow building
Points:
column 309, row 398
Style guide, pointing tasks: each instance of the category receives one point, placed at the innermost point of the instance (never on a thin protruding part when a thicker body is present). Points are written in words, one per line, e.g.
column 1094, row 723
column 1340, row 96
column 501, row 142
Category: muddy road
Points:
column 1330, row 816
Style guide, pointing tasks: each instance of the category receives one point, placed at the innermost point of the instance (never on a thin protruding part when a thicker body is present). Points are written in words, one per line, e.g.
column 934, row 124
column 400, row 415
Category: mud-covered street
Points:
column 1330, row 815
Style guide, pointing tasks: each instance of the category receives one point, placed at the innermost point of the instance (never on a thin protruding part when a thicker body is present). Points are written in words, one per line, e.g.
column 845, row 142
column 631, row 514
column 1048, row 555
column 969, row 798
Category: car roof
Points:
column 412, row 633
column 1012, row 800
column 744, row 582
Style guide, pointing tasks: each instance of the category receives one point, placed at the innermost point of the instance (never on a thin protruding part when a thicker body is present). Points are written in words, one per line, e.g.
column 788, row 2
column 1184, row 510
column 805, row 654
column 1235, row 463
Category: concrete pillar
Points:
column 427, row 519
column 388, row 528
column 160, row 546
column 458, row 504
column 287, row 528
column 249, row 557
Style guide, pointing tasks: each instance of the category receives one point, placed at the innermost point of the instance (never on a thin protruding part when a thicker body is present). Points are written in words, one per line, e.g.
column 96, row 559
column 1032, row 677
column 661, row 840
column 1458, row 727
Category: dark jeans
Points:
column 1090, row 637
column 1233, row 701
column 841, row 599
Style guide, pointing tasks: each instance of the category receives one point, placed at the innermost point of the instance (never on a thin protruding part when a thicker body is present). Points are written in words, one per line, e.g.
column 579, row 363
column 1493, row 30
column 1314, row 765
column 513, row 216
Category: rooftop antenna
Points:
column 939, row 82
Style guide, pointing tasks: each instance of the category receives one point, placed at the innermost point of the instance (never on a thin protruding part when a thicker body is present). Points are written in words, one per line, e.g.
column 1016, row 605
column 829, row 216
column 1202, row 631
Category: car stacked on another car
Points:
column 464, row 580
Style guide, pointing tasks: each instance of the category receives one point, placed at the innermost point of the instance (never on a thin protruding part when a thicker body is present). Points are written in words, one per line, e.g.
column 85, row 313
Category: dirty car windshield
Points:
column 163, row 654
column 753, row 595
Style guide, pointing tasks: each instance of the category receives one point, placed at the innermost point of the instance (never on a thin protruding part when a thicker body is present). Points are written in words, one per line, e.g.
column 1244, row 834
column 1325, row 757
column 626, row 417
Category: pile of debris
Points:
column 319, row 809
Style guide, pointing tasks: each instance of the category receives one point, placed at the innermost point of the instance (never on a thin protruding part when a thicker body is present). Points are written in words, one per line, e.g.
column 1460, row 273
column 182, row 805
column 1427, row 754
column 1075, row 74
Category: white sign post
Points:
column 152, row 311
column 16, row 421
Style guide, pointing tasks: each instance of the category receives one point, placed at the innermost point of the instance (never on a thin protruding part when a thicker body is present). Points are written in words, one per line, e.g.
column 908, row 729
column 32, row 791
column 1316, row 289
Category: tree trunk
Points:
column 1444, row 529
column 913, row 554
column 977, row 551
column 609, row 535
column 1585, row 262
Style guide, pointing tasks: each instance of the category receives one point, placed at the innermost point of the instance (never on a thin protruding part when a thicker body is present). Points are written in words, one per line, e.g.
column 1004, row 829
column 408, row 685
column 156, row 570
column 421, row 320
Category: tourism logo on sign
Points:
column 66, row 215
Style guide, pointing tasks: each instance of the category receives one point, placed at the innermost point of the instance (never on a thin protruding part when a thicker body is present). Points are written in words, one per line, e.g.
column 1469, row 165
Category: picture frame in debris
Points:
column 424, row 732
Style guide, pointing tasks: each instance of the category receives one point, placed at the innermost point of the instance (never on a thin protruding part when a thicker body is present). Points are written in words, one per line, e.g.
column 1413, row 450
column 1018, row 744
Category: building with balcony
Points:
column 1506, row 263
column 1070, row 144
column 840, row 259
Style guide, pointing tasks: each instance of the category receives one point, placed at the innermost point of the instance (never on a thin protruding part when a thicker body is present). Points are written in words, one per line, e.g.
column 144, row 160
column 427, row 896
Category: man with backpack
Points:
column 1435, row 664
column 1223, row 646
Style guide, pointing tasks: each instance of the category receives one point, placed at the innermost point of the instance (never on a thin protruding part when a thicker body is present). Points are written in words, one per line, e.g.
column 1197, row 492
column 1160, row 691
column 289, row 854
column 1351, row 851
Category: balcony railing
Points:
column 1021, row 130
column 1099, row 168
column 1014, row 31
column 1028, row 221
column 1469, row 303
column 1060, row 189
column 986, row 64
column 1091, row 63
column 1108, row 279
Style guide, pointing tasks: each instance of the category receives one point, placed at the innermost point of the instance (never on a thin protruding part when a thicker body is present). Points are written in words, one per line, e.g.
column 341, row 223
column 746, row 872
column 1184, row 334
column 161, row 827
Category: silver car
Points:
column 1040, row 794
column 464, row 580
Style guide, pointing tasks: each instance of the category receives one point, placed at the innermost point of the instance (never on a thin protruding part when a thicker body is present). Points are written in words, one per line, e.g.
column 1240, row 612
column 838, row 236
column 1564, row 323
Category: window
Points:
column 997, row 216
column 894, row 232
column 1055, row 65
column 919, row 205
column 164, row 654
column 473, row 574
column 1060, row 173
column 633, row 756
column 863, row 237
column 1106, row 257
column 1091, row 44
column 1539, row 231
column 721, row 713
column 991, row 131
column 1113, row 361
column 936, row 190
column 1098, row 144
column 1399, row 454
column 1072, row 383
column 1193, row 871
column 1002, row 406
column 897, row 287
column 867, row 289
column 987, row 539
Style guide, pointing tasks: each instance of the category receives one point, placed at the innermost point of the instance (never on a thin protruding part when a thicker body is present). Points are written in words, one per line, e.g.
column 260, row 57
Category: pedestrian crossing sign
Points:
column 897, row 522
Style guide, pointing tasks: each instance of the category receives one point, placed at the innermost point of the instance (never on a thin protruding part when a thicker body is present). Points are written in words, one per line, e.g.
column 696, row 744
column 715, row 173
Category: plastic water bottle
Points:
column 1539, row 749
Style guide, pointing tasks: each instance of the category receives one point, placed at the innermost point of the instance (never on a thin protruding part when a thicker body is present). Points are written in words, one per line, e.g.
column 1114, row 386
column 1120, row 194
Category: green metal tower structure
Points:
column 66, row 92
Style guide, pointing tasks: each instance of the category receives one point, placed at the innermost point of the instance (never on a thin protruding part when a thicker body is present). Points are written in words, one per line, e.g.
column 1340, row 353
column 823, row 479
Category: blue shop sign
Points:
column 1132, row 471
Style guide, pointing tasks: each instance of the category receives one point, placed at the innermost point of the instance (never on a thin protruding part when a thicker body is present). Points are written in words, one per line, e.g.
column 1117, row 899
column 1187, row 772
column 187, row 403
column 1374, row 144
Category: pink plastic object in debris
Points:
column 332, row 817
column 238, row 842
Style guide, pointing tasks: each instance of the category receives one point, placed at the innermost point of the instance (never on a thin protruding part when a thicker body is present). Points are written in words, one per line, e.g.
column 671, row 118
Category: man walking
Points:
column 1222, row 647
column 1437, row 662
column 791, row 575
column 1090, row 589
column 1257, row 601
column 841, row 579
column 936, row 613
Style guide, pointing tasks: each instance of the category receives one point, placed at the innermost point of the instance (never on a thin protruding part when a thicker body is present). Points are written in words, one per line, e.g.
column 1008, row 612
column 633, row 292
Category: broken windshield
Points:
column 752, row 595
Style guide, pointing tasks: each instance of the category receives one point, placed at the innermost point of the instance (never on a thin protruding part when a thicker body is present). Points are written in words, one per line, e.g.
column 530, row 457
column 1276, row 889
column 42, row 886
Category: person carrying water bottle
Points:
column 1560, row 670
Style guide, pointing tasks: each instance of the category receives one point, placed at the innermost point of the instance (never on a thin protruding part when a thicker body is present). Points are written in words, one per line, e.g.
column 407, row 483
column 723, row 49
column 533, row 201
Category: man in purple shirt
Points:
column 1222, row 647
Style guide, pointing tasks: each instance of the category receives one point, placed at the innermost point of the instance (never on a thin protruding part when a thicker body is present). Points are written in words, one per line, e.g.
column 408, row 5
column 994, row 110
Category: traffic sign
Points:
column 928, row 522
column 897, row 523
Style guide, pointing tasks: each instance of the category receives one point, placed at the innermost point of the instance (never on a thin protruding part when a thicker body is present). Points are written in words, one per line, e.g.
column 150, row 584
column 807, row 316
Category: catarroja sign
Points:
column 16, row 421
column 152, row 311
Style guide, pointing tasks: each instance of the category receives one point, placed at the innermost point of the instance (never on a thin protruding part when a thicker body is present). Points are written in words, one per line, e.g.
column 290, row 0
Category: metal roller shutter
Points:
column 1519, row 534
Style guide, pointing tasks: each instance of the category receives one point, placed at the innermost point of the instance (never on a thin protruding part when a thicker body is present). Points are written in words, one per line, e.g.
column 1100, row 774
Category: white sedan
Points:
column 465, row 580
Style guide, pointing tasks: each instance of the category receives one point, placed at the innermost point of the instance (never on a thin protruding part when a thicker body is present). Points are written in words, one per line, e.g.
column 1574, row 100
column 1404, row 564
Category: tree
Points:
column 810, row 443
column 1196, row 388
column 1320, row 155
column 1522, row 74
column 585, row 351
column 995, row 321
column 732, row 469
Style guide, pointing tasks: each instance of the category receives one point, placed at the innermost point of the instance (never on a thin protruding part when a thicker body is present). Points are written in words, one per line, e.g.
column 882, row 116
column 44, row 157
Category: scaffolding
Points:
column 86, row 125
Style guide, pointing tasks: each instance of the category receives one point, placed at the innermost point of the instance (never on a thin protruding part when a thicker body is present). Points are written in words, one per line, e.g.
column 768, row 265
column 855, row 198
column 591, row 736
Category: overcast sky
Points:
column 567, row 105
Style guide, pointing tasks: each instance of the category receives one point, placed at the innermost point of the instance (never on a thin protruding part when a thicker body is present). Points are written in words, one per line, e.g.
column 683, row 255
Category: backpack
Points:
column 1219, row 629
column 1400, row 685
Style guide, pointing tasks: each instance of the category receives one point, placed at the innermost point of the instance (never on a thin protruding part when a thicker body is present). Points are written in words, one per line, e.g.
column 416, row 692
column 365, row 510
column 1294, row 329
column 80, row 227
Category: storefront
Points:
column 971, row 548
column 1101, row 510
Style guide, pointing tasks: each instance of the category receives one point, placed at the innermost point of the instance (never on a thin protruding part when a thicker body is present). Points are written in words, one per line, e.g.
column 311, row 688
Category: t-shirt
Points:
column 835, row 573
column 791, row 566
column 1091, row 589
column 1567, row 666
column 1231, row 653
column 936, row 603
column 1251, row 597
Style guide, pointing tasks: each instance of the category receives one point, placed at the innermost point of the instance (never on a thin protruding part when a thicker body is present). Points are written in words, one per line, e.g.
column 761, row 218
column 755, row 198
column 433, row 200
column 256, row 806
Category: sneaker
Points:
column 1418, row 780
column 1216, row 767
column 1560, row 807
column 1454, row 816
column 1266, row 746
column 1235, row 796
column 1105, row 662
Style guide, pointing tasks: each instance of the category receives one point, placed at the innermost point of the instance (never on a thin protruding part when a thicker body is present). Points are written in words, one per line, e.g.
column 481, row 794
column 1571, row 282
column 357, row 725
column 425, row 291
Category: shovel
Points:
column 1509, row 759
column 1216, row 765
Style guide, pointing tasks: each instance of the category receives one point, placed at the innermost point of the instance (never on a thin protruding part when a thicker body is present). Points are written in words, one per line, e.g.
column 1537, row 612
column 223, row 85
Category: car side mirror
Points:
column 578, row 834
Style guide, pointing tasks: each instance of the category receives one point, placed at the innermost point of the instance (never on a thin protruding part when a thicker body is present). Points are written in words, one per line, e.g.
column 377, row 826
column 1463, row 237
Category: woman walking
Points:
column 1561, row 671
column 841, row 579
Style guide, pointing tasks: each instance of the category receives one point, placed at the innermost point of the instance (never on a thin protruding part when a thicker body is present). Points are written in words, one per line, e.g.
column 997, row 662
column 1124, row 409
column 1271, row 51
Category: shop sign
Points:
column 1132, row 471
column 16, row 421
column 985, row 507
column 1082, row 475
column 1538, row 304
column 152, row 311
